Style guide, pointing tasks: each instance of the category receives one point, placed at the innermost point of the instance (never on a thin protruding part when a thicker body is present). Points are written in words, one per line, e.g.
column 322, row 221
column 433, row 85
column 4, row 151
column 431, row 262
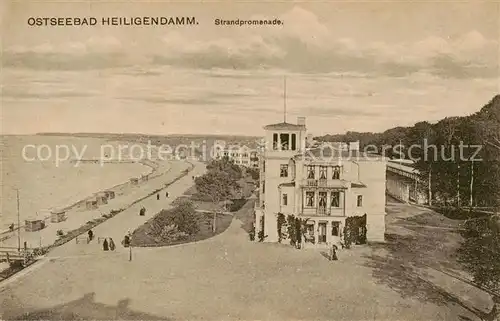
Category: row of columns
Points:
column 289, row 142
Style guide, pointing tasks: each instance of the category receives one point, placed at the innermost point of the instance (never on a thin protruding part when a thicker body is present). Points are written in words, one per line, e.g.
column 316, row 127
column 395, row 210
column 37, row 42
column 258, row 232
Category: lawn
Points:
column 143, row 236
column 146, row 236
column 429, row 239
column 434, row 219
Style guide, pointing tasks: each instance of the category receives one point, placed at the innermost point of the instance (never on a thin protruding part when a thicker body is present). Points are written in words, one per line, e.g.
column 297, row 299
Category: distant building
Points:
column 241, row 154
column 310, row 140
column 254, row 159
column 323, row 185
column 404, row 182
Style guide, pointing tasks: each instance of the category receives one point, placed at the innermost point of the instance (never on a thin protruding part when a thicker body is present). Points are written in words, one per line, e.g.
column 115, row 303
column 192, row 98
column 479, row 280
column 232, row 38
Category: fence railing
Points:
column 333, row 183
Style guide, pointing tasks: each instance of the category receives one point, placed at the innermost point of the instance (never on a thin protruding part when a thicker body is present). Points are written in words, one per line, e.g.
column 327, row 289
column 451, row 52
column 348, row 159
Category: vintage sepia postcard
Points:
column 250, row 160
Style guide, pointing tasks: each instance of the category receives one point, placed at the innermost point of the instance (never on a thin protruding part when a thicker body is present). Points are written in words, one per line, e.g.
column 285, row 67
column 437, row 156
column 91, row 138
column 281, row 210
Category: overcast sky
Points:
column 349, row 66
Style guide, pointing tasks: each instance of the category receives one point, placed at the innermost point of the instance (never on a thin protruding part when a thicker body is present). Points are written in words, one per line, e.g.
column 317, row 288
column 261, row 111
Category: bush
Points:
column 183, row 217
column 280, row 223
column 186, row 219
column 298, row 231
column 251, row 234
column 261, row 236
column 355, row 230
column 237, row 204
column 292, row 230
column 171, row 233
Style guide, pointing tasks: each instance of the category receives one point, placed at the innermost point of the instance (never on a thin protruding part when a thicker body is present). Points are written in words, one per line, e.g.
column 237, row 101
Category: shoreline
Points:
column 82, row 229
column 153, row 172
column 91, row 224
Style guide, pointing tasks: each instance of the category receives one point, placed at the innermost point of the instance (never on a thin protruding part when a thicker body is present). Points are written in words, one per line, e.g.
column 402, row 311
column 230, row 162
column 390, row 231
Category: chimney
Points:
column 301, row 121
column 354, row 146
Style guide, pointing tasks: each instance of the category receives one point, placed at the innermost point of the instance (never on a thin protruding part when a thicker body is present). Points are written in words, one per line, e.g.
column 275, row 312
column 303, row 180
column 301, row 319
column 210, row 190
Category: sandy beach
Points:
column 44, row 186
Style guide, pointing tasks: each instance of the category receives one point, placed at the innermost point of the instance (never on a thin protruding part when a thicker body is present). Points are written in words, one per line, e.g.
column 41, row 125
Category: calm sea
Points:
column 43, row 185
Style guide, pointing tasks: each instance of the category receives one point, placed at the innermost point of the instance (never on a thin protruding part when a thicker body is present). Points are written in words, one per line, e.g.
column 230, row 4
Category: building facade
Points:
column 404, row 182
column 241, row 155
column 323, row 185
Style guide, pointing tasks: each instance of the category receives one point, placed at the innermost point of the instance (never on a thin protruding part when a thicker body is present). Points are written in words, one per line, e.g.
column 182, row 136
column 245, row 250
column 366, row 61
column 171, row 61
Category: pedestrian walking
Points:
column 333, row 253
column 166, row 194
column 111, row 244
column 105, row 245
column 142, row 212
column 91, row 235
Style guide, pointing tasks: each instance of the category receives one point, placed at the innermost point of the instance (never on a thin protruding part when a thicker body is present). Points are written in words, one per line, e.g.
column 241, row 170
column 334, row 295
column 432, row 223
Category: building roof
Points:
column 357, row 185
column 332, row 153
column 404, row 168
column 284, row 126
column 408, row 162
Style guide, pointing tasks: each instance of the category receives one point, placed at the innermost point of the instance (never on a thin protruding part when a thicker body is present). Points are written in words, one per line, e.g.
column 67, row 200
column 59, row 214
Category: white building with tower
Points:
column 324, row 186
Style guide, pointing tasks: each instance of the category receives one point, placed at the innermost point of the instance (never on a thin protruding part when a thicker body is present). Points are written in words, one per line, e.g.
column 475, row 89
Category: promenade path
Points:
column 117, row 227
column 222, row 278
column 78, row 216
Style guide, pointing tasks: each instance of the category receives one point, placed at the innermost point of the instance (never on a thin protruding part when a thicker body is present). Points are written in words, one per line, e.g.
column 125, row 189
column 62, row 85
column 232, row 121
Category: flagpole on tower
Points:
column 284, row 99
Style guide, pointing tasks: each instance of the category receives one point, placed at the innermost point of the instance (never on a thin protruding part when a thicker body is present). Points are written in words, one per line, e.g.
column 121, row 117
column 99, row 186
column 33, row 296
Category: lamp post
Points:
column 18, row 223
column 130, row 246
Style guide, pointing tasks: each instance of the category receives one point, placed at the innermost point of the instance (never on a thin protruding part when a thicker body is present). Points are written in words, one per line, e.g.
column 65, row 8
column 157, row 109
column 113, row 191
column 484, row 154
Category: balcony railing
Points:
column 310, row 182
column 323, row 211
column 333, row 183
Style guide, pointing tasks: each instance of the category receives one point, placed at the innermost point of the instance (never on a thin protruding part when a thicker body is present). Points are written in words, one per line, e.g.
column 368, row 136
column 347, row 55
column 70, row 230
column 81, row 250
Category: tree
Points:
column 216, row 185
column 226, row 165
column 254, row 173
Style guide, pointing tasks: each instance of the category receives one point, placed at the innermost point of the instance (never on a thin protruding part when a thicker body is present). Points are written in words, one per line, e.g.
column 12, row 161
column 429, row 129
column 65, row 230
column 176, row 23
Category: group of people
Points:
column 106, row 246
column 158, row 196
column 110, row 245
